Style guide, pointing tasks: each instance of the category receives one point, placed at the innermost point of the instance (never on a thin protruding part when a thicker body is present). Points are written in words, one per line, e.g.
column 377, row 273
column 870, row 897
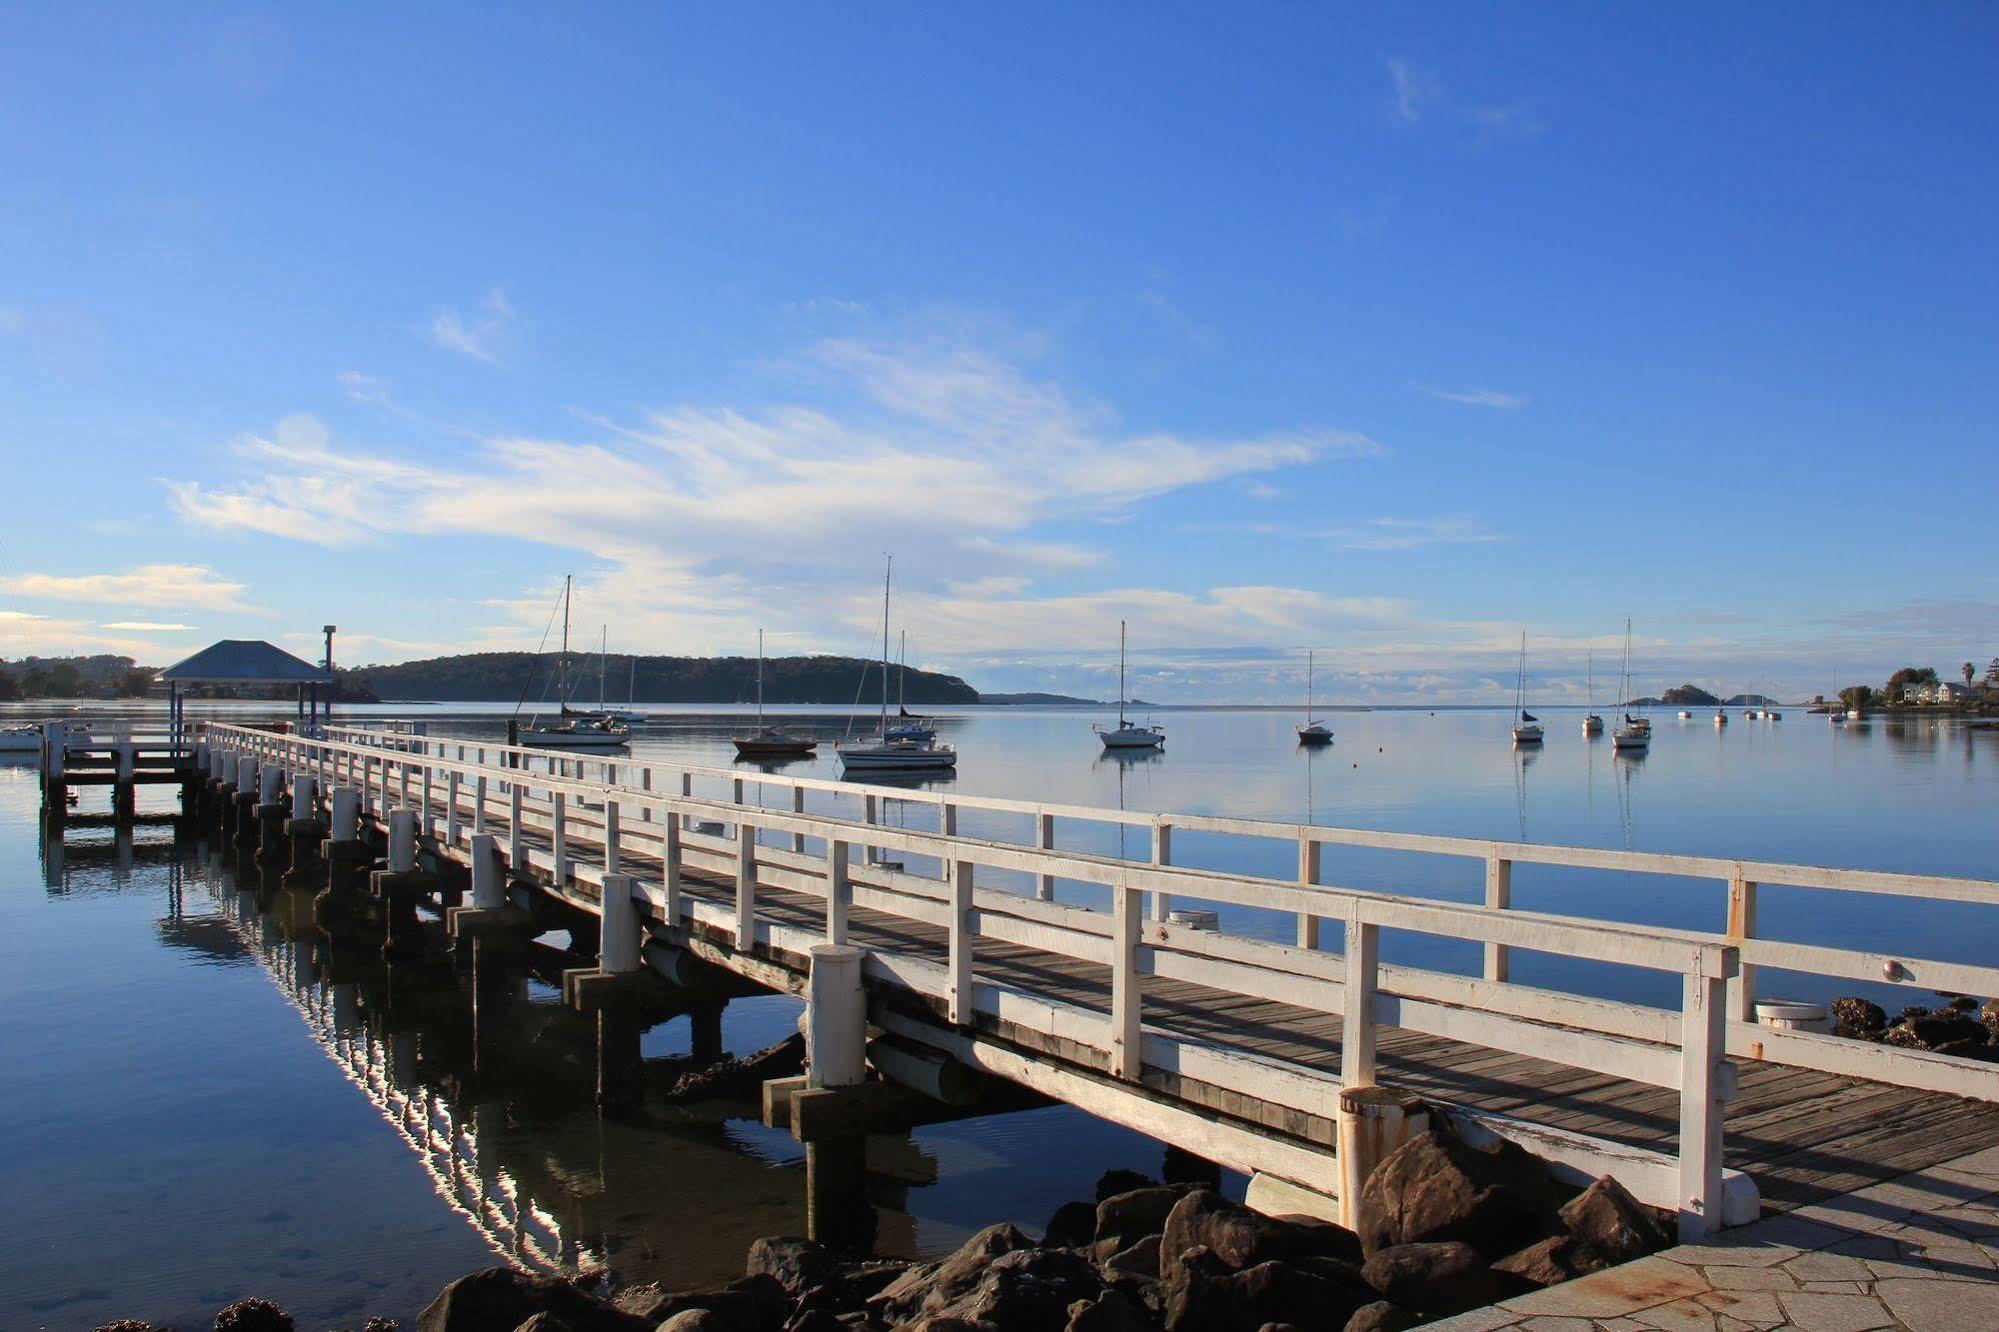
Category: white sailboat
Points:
column 1311, row 733
column 907, row 726
column 1128, row 735
column 576, row 731
column 1592, row 724
column 885, row 750
column 1636, row 733
column 20, row 739
column 1526, row 727
column 770, row 741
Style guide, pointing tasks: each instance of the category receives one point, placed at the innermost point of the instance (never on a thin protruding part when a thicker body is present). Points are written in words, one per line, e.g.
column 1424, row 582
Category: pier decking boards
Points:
column 1240, row 1055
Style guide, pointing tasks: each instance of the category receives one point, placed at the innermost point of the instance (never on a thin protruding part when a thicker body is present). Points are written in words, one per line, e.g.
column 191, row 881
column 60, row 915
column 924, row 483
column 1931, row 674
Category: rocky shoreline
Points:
column 1442, row 1227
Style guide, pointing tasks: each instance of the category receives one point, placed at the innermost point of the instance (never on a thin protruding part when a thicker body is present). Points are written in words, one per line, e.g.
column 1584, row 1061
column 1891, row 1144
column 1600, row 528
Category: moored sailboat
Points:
column 1311, row 733
column 770, row 741
column 1636, row 733
column 1526, row 727
column 885, row 751
column 575, row 731
column 1592, row 724
column 1128, row 735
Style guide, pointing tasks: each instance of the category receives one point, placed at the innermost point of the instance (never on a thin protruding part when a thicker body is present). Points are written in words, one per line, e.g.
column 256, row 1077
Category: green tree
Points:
column 1992, row 673
column 1856, row 696
column 135, row 683
column 9, row 690
column 64, row 681
column 34, row 683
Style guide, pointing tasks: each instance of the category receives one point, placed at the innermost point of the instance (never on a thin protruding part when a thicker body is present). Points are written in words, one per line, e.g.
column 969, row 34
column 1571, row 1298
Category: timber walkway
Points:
column 1234, row 1048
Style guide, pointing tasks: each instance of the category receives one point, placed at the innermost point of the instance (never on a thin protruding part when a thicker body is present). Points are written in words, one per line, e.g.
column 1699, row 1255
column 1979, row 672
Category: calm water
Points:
column 201, row 1101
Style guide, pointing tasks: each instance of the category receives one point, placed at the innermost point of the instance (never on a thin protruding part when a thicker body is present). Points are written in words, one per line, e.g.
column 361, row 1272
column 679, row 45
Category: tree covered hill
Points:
column 504, row 676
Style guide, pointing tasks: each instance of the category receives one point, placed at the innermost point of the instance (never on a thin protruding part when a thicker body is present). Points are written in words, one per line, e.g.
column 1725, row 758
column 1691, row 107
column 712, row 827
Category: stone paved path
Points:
column 1919, row 1253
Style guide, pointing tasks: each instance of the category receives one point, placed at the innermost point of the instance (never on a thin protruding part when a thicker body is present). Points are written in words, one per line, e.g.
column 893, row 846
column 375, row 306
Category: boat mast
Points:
column 760, row 679
column 566, row 580
column 1589, row 681
column 1520, row 682
column 902, row 671
column 1120, row 675
column 885, row 577
column 603, row 661
column 1308, row 686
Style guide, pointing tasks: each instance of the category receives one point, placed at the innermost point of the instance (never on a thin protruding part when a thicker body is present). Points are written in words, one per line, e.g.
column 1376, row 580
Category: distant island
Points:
column 1031, row 699
column 1693, row 696
column 488, row 677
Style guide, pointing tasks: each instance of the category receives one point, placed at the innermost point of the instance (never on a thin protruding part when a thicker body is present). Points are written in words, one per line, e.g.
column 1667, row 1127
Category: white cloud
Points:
column 1411, row 90
column 145, row 626
column 177, row 586
column 1408, row 533
column 1477, row 397
column 480, row 335
column 944, row 452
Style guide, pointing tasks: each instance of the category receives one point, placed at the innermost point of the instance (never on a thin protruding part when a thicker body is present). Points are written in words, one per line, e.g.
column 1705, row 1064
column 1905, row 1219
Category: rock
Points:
column 1073, row 1225
column 1858, row 1019
column 1183, row 1167
column 1112, row 1311
column 1140, row 1262
column 1381, row 1316
column 1962, row 1003
column 1114, row 1182
column 1436, row 1279
column 696, row 1320
column 815, row 1320
column 1610, row 1227
column 1545, row 1262
column 1127, row 1218
column 500, row 1297
column 1932, row 1031
column 1027, row 1289
column 796, row 1264
column 1989, row 1015
column 741, row 1079
column 544, row 1322
column 253, row 1316
column 755, row 1303
column 1239, row 1237
column 1205, row 1296
column 929, row 1288
column 1436, row 1187
column 130, row 1325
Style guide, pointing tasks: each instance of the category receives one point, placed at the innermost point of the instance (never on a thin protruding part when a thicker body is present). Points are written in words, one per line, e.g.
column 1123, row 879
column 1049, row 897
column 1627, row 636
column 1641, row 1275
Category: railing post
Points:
column 487, row 890
column 1363, row 961
column 670, row 858
column 960, row 960
column 645, row 784
column 479, row 803
column 839, row 891
column 451, row 784
column 1498, row 897
column 611, row 838
column 746, row 887
column 559, row 838
column 517, row 838
column 798, row 807
column 1162, row 854
column 1125, row 1005
column 1308, row 875
column 1741, row 928
column 1044, row 837
column 1702, row 1040
column 429, row 819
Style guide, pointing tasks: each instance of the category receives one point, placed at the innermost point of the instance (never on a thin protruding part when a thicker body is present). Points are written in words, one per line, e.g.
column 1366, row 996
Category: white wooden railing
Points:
column 596, row 813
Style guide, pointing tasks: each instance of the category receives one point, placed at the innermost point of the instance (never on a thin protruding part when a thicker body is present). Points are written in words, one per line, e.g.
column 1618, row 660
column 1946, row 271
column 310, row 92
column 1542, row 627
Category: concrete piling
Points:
column 836, row 1013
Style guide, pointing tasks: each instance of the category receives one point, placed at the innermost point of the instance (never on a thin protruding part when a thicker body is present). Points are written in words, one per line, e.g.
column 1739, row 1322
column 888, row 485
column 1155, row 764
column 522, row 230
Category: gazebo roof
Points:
column 243, row 661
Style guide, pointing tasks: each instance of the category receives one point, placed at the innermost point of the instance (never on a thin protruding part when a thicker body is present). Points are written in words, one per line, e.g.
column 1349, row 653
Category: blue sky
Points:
column 1389, row 332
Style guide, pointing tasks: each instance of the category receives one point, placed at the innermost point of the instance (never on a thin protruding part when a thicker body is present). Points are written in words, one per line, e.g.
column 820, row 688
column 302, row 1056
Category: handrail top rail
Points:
column 1654, row 947
column 1826, row 877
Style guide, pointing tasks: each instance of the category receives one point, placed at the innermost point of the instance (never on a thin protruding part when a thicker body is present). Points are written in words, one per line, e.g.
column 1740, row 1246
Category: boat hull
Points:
column 1314, row 735
column 579, row 740
column 1132, row 737
column 775, row 748
column 903, row 760
column 26, row 741
column 1527, row 735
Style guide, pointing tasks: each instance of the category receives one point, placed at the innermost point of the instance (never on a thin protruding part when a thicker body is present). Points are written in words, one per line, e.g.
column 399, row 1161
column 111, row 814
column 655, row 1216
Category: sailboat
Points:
column 1527, row 729
column 1592, row 724
column 769, row 741
column 1636, row 733
column 907, row 727
column 884, row 750
column 1128, row 735
column 1311, row 733
column 1721, row 707
column 575, row 730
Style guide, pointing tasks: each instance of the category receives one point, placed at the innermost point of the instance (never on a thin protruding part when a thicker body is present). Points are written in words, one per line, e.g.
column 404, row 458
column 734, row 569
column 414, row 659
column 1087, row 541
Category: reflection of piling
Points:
column 124, row 786
column 242, row 814
column 271, row 814
column 837, row 1213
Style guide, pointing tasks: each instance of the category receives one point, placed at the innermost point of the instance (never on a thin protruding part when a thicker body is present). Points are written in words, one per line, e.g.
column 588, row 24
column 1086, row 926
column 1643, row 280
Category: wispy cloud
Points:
column 181, row 586
column 1408, row 533
column 1476, row 397
column 479, row 335
column 146, row 626
column 954, row 454
column 1411, row 90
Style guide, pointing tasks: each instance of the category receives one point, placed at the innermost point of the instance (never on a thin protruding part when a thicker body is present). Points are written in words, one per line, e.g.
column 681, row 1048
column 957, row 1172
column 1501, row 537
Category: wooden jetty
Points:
column 1245, row 1051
